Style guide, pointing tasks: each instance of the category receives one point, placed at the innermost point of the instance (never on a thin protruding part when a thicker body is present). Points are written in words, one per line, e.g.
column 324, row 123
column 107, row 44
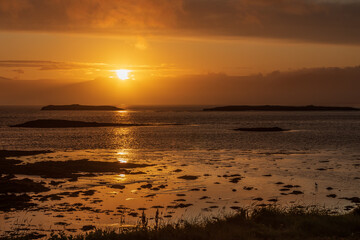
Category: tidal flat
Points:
column 68, row 191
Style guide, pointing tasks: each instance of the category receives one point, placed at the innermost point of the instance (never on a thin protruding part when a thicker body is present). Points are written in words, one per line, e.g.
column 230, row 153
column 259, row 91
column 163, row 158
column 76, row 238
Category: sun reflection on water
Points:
column 120, row 177
column 122, row 158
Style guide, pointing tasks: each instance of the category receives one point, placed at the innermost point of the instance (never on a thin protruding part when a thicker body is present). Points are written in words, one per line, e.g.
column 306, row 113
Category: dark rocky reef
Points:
column 57, row 123
column 51, row 169
column 262, row 129
column 10, row 185
column 77, row 107
column 66, row 169
column 15, row 202
column 279, row 108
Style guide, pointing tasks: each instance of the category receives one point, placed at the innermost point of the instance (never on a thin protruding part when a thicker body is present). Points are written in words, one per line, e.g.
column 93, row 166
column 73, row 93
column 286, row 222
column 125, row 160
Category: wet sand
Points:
column 106, row 188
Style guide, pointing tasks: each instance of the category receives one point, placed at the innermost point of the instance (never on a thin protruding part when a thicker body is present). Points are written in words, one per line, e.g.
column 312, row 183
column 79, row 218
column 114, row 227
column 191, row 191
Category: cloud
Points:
column 54, row 65
column 301, row 20
column 50, row 65
column 87, row 15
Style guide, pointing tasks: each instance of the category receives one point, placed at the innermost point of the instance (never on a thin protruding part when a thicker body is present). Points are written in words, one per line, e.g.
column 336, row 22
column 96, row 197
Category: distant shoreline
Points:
column 78, row 107
column 279, row 108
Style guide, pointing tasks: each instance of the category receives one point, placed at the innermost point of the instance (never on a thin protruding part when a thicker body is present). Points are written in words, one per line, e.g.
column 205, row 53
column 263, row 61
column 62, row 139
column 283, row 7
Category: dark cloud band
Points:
column 299, row 20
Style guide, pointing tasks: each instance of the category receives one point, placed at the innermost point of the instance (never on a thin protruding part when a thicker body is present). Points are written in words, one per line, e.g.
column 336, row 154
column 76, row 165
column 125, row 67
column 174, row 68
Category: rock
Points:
column 181, row 205
column 56, row 183
column 62, row 224
column 89, row 192
column 235, row 207
column 133, row 214
column 331, row 195
column 235, row 180
column 188, row 177
column 296, row 192
column 146, row 185
column 204, row 197
column 88, row 227
column 17, row 202
column 21, row 186
column 118, row 186
column 150, row 195
column 180, row 200
column 67, row 169
column 321, row 169
column 352, row 199
column 284, row 189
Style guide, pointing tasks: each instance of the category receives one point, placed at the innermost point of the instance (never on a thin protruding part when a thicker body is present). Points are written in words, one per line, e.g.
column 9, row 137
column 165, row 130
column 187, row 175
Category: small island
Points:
column 57, row 123
column 78, row 107
column 261, row 129
column 280, row 108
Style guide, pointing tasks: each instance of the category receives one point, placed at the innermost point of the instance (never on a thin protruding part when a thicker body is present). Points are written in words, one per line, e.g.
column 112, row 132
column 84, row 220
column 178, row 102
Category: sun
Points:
column 123, row 74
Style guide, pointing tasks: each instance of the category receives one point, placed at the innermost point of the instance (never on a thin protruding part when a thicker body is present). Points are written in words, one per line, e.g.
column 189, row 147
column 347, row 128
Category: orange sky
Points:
column 89, row 39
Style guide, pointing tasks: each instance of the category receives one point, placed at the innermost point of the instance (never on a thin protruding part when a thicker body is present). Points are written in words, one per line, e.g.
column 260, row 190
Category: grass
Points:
column 260, row 223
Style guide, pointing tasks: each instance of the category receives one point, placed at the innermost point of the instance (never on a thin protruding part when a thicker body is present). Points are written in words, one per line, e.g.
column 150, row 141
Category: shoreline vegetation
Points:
column 297, row 222
column 78, row 107
column 280, row 108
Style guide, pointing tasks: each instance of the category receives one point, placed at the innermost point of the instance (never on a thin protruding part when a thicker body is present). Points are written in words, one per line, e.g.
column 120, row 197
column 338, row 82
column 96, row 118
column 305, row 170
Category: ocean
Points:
column 315, row 163
column 197, row 130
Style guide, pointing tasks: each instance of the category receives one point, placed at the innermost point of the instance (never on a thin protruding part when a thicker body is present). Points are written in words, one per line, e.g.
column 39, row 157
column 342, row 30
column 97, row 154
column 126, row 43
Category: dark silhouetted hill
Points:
column 78, row 107
column 280, row 108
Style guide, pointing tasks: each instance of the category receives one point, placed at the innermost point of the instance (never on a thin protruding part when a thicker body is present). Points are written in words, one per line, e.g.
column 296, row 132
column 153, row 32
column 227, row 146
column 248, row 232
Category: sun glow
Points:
column 123, row 74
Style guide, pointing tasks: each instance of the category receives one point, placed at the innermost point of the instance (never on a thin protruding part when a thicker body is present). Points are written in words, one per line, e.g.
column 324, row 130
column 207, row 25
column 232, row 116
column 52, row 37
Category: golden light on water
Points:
column 123, row 74
column 121, row 159
column 122, row 176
